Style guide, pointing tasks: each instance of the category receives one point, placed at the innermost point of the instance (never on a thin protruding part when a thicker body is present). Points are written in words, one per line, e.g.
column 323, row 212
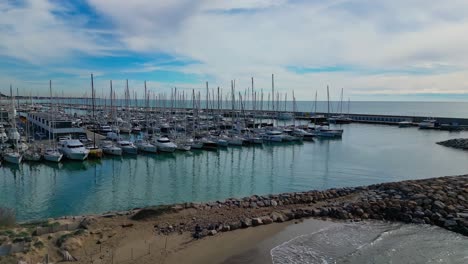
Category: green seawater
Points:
column 366, row 154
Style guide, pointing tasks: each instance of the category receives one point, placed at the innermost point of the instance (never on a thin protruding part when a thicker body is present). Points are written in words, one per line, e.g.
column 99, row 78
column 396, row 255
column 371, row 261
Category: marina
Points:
column 366, row 154
column 178, row 148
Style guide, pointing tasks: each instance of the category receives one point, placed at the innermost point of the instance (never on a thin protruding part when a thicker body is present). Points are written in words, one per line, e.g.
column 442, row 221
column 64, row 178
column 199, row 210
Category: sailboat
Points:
column 325, row 131
column 95, row 151
column 52, row 153
column 341, row 118
column 12, row 155
column 142, row 144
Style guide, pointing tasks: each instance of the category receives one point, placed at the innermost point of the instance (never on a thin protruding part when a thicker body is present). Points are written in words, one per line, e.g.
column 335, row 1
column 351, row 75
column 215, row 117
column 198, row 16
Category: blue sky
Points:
column 374, row 50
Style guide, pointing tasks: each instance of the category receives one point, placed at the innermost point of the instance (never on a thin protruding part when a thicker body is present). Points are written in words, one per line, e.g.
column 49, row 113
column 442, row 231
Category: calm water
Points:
column 367, row 154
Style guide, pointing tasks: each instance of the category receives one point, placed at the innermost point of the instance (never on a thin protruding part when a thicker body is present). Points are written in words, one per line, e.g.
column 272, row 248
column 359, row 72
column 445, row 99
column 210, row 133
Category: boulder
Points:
column 257, row 221
column 277, row 217
column 247, row 222
column 266, row 220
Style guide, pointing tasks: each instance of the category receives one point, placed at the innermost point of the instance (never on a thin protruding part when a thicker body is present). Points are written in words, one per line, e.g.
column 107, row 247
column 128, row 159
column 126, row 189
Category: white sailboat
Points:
column 13, row 155
column 52, row 153
column 109, row 148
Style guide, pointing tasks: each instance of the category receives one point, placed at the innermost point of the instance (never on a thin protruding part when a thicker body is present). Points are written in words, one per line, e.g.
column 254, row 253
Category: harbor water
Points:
column 365, row 155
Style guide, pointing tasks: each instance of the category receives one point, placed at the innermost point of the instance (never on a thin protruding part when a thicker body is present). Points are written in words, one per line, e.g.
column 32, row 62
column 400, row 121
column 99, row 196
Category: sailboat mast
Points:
column 92, row 100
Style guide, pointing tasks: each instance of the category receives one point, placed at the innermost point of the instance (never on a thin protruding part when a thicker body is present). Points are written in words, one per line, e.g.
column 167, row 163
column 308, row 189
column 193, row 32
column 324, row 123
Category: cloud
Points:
column 393, row 47
column 34, row 32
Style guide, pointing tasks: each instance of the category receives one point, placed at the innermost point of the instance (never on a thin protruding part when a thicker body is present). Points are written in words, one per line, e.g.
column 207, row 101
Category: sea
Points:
column 418, row 108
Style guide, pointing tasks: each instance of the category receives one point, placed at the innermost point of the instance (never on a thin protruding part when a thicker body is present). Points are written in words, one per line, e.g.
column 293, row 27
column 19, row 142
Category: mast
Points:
column 273, row 89
column 94, row 119
column 50, row 103
column 328, row 105
column 207, row 93
column 111, row 103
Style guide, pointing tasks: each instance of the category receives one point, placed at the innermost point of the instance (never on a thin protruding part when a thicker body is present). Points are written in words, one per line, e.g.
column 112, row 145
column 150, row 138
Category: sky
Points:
column 372, row 49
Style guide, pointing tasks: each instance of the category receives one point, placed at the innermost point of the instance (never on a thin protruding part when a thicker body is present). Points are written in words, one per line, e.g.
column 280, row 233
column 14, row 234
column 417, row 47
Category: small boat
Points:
column 209, row 144
column 145, row 146
column 12, row 156
column 339, row 119
column 73, row 149
column 405, row 124
column 306, row 136
column 164, row 144
column 127, row 147
column 196, row 143
column 428, row 123
column 32, row 155
column 322, row 131
column 95, row 152
column 235, row 140
column 253, row 139
column 110, row 149
column 52, row 155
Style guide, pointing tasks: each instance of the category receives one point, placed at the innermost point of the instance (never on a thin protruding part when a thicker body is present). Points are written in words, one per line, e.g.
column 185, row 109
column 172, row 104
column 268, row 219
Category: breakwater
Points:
column 458, row 143
column 437, row 201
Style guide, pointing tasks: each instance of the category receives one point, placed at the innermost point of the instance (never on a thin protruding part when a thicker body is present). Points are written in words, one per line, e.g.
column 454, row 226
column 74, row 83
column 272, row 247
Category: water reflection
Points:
column 363, row 156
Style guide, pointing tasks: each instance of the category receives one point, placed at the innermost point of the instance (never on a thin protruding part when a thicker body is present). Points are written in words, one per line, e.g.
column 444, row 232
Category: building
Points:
column 53, row 123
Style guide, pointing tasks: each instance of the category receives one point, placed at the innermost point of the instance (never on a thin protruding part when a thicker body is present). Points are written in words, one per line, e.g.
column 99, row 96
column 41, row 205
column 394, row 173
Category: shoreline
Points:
column 144, row 232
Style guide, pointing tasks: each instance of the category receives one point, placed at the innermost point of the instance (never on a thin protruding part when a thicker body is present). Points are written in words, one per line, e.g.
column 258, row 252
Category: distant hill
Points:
column 3, row 96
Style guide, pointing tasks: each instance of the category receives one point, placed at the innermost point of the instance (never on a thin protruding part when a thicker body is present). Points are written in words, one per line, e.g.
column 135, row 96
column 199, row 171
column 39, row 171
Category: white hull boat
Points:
column 53, row 155
column 73, row 149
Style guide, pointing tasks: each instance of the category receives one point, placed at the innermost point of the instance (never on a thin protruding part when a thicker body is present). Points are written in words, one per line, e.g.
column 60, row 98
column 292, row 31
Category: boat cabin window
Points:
column 74, row 146
column 164, row 140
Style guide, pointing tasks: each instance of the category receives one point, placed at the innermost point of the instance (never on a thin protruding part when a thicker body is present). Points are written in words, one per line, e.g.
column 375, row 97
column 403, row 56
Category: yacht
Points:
column 428, row 123
column 12, row 156
column 104, row 129
column 164, row 144
column 110, row 149
column 322, row 131
column 127, row 147
column 405, row 124
column 306, row 136
column 273, row 136
column 145, row 146
column 73, row 149
column 52, row 154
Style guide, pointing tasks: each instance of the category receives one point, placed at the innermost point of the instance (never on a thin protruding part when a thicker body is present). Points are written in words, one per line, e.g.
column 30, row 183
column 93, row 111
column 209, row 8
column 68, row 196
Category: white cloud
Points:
column 244, row 38
column 33, row 32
